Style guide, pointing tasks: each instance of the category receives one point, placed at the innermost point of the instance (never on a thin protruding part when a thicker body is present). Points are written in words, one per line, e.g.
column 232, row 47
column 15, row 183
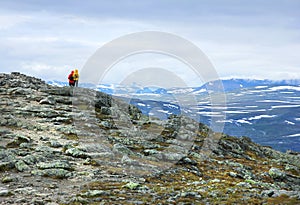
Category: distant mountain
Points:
column 269, row 114
column 267, row 111
column 236, row 84
column 228, row 85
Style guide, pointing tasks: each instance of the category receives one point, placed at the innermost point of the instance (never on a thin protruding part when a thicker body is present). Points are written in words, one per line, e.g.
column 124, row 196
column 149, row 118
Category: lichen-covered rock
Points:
column 277, row 173
column 53, row 173
column 5, row 192
column 95, row 193
column 21, row 166
column 56, row 165
column 48, row 101
column 5, row 166
column 7, row 179
column 18, row 139
column 121, row 149
column 132, row 185
column 75, row 152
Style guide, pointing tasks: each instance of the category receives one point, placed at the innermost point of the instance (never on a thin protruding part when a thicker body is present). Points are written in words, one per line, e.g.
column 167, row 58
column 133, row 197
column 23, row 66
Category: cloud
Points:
column 8, row 21
column 46, row 71
column 241, row 38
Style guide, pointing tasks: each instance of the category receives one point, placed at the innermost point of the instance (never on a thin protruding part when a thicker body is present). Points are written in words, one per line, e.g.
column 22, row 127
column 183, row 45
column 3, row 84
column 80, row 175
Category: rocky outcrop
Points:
column 62, row 145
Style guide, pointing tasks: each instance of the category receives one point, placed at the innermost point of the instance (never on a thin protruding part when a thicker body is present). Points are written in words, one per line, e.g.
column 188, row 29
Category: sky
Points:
column 242, row 39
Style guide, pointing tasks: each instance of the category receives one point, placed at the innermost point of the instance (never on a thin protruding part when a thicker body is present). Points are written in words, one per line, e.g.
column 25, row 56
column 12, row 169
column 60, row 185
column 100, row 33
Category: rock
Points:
column 250, row 181
column 56, row 165
column 191, row 195
column 75, row 152
column 278, row 193
column 55, row 144
column 53, row 173
column 244, row 184
column 232, row 174
column 150, row 152
column 7, row 179
column 4, row 192
column 186, row 161
column 215, row 181
column 291, row 168
column 19, row 139
column 170, row 156
column 277, row 173
column 126, row 160
column 48, row 101
column 267, row 193
column 121, row 149
column 33, row 159
column 107, row 124
column 46, row 151
column 4, row 166
column 79, row 200
column 21, row 166
column 244, row 173
column 132, row 185
column 44, row 138
column 106, row 111
column 95, row 193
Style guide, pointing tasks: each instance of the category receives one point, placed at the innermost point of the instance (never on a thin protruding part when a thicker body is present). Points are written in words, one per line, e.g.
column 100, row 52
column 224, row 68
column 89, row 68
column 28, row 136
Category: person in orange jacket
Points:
column 76, row 77
column 71, row 79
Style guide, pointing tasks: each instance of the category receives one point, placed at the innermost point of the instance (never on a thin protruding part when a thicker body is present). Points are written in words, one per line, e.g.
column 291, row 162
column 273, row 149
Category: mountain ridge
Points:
column 229, row 84
column 68, row 145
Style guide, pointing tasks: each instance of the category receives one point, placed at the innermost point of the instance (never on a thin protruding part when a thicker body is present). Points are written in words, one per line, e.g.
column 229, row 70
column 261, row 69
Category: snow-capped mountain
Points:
column 267, row 111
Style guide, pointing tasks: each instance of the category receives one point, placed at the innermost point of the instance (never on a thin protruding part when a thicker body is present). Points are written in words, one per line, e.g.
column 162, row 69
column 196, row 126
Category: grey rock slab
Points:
column 277, row 173
column 21, row 166
column 56, row 165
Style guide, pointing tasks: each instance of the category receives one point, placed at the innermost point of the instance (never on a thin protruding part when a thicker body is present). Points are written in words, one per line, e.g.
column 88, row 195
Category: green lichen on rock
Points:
column 56, row 165
column 132, row 185
column 21, row 166
column 75, row 152
column 53, row 173
column 277, row 173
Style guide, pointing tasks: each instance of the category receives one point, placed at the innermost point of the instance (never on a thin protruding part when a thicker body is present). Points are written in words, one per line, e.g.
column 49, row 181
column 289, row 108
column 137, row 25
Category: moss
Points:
column 283, row 199
column 71, row 136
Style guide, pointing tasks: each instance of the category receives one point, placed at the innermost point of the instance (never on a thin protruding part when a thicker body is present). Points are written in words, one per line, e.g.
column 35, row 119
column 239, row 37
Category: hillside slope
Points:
column 61, row 145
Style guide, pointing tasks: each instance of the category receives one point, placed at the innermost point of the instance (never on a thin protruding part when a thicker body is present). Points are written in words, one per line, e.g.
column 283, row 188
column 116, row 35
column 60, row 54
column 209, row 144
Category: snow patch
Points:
column 261, row 116
column 242, row 121
column 141, row 104
column 295, row 135
column 277, row 88
column 235, row 112
column 261, row 87
column 289, row 122
column 284, row 106
column 171, row 106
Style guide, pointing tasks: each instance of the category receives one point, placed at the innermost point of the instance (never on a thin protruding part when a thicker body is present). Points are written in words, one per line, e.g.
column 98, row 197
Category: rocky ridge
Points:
column 62, row 145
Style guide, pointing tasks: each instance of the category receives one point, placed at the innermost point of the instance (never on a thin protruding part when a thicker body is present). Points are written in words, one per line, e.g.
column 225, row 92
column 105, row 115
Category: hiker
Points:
column 71, row 79
column 76, row 77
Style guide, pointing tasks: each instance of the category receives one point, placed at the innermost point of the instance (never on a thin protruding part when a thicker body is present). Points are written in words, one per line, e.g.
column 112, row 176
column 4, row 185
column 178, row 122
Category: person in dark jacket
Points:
column 71, row 79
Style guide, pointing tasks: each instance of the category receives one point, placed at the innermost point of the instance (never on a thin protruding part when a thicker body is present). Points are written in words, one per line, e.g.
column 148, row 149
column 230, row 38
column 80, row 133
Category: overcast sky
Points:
column 242, row 38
